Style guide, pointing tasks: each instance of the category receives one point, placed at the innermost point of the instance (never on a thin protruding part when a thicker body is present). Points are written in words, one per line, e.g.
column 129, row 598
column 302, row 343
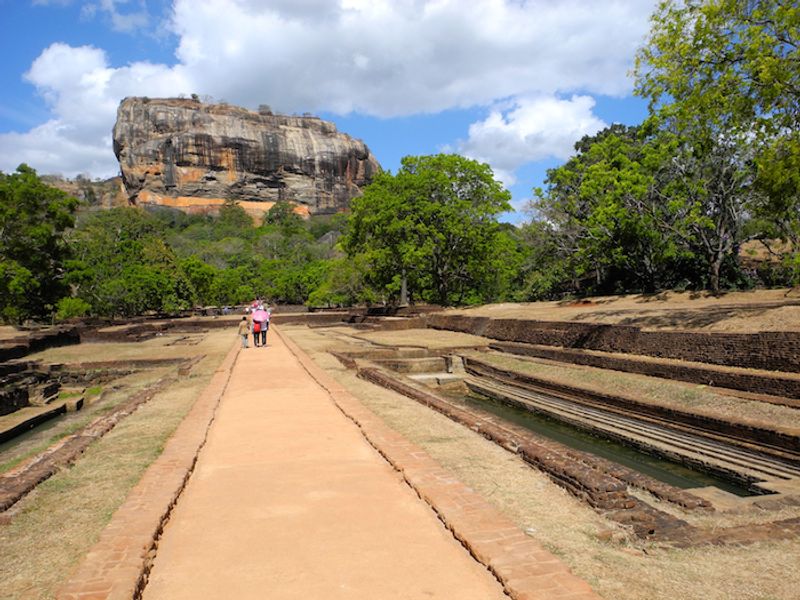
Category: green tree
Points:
column 602, row 214
column 725, row 72
column 123, row 266
column 344, row 285
column 33, row 218
column 233, row 220
column 432, row 226
column 282, row 214
column 201, row 276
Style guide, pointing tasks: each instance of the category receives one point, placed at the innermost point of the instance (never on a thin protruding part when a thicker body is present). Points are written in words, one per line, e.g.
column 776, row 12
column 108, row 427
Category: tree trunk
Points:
column 404, row 289
column 716, row 264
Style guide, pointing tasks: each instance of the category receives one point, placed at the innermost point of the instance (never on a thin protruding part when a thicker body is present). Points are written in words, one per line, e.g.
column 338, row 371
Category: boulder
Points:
column 193, row 156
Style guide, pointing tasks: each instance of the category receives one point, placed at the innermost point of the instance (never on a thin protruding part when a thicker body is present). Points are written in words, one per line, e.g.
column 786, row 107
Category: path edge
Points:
column 525, row 569
column 117, row 566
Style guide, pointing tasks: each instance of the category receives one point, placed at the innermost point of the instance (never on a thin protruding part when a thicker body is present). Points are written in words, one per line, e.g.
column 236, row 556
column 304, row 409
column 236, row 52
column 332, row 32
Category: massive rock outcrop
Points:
column 192, row 155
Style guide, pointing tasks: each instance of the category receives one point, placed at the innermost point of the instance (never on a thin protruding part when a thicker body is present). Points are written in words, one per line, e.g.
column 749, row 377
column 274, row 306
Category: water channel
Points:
column 662, row 469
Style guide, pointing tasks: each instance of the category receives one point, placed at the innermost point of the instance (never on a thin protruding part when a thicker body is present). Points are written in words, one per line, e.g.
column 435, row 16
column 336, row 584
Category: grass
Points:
column 31, row 443
column 60, row 521
column 742, row 312
column 424, row 337
column 619, row 568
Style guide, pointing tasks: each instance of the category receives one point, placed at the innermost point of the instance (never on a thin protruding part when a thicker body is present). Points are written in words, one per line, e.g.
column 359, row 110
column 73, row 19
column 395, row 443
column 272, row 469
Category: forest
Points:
column 702, row 195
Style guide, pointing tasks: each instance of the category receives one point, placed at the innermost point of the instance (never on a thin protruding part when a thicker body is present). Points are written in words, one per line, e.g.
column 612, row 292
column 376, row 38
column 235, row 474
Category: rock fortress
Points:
column 190, row 155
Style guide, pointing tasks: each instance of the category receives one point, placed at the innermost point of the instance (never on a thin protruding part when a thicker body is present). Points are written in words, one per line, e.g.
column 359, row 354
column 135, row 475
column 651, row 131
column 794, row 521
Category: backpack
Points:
column 256, row 327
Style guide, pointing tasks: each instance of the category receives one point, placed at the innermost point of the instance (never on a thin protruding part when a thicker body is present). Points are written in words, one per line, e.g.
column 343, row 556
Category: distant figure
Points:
column 265, row 325
column 256, row 332
column 261, row 317
column 244, row 331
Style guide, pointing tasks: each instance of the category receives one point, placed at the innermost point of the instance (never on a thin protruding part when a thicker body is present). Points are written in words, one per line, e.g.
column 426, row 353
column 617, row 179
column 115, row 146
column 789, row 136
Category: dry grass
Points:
column 619, row 569
column 17, row 450
column 157, row 347
column 58, row 522
column 426, row 338
column 8, row 332
column 676, row 394
column 744, row 312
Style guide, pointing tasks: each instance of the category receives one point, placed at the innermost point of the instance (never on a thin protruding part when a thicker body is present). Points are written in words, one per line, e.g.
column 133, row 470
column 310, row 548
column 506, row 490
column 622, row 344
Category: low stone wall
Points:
column 51, row 411
column 23, row 388
column 36, row 341
column 14, row 487
column 432, row 364
column 744, row 381
column 137, row 332
column 12, row 399
column 769, row 350
column 315, row 318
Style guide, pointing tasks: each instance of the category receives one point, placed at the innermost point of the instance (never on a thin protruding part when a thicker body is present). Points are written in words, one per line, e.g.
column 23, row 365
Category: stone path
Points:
column 288, row 500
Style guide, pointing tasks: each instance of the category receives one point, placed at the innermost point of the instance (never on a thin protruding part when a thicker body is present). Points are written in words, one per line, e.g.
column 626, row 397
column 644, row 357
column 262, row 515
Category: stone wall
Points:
column 36, row 341
column 760, row 383
column 769, row 350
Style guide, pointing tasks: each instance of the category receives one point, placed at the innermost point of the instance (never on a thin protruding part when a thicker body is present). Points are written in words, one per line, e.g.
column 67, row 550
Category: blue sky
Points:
column 513, row 83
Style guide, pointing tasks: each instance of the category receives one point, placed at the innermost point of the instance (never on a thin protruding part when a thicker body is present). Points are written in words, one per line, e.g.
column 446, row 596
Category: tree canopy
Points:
column 433, row 227
column 33, row 218
column 726, row 73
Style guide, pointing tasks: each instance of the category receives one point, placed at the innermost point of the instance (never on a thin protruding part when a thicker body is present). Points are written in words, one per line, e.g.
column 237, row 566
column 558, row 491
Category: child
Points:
column 244, row 331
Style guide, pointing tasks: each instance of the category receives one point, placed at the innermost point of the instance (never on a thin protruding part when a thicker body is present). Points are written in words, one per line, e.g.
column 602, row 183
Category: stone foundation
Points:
column 769, row 350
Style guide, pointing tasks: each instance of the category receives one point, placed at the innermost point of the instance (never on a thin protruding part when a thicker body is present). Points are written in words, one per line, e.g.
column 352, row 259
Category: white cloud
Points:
column 532, row 129
column 83, row 92
column 120, row 20
column 125, row 22
column 377, row 57
column 395, row 57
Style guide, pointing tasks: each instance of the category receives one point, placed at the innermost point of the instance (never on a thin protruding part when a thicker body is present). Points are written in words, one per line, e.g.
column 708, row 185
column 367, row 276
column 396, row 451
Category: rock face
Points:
column 187, row 154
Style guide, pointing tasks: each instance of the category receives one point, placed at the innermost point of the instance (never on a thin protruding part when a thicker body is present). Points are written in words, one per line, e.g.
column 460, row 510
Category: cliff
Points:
column 191, row 155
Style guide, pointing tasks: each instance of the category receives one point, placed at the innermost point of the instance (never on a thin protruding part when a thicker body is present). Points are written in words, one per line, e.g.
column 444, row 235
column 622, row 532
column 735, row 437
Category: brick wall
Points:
column 770, row 350
column 748, row 382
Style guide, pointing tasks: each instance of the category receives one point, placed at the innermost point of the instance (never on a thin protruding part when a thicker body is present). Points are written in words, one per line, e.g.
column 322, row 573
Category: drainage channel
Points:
column 669, row 472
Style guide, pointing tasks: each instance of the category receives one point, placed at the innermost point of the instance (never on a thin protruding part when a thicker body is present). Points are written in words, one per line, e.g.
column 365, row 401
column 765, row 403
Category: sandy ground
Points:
column 759, row 310
column 617, row 566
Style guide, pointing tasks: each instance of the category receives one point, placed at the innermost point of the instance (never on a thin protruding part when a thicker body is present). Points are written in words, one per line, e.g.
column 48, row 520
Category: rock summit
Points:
column 192, row 155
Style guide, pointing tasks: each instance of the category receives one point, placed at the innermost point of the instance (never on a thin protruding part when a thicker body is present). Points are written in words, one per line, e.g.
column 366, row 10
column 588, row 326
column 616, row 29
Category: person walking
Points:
column 244, row 331
column 265, row 325
column 256, row 332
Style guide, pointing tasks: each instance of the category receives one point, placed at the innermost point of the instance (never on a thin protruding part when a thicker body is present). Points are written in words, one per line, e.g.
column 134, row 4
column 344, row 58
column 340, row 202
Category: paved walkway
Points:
column 288, row 500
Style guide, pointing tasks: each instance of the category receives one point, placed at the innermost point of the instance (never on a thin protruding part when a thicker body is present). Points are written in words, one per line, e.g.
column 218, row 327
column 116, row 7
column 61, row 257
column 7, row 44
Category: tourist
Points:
column 256, row 332
column 244, row 331
column 265, row 325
